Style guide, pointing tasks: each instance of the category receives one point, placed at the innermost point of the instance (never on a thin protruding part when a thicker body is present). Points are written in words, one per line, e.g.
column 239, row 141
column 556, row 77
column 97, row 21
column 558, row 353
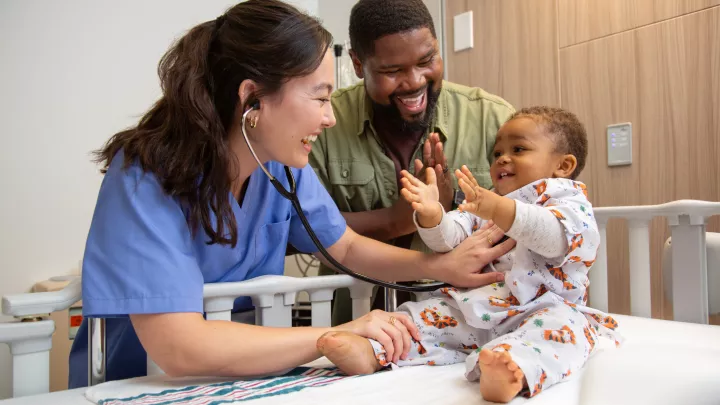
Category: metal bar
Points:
column 153, row 368
column 390, row 300
column 97, row 355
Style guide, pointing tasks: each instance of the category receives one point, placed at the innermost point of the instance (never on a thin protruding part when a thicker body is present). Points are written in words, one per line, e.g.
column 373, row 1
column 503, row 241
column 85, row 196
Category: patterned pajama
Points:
column 538, row 314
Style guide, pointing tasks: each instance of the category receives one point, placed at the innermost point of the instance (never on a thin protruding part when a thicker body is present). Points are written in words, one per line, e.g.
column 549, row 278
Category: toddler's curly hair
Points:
column 569, row 132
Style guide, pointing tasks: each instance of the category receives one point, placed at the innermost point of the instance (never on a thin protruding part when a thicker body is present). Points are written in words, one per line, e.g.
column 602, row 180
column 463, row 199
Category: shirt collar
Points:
column 439, row 124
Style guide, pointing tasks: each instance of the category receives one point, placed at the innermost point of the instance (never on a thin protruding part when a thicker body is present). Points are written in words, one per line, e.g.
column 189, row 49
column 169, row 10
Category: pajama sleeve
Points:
column 567, row 201
column 539, row 230
column 454, row 228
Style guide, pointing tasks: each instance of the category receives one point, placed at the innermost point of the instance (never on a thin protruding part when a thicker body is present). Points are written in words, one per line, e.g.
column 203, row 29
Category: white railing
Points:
column 274, row 296
column 687, row 219
column 29, row 337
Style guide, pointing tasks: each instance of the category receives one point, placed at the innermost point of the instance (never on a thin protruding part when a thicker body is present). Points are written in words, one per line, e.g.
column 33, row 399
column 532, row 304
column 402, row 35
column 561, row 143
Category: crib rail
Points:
column 273, row 296
column 30, row 335
column 687, row 220
column 42, row 303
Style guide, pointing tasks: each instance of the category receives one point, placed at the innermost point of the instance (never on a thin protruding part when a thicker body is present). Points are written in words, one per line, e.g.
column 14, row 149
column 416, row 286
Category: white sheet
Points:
column 661, row 363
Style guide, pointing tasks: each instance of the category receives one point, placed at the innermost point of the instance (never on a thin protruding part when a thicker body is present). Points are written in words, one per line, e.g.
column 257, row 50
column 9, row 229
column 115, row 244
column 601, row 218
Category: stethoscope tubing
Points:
column 291, row 195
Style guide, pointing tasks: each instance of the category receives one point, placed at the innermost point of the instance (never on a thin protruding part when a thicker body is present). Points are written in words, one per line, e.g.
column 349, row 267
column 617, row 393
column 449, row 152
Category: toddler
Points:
column 533, row 330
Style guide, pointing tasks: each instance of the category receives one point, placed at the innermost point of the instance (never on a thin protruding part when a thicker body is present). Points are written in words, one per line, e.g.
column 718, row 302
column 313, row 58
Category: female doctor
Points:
column 184, row 203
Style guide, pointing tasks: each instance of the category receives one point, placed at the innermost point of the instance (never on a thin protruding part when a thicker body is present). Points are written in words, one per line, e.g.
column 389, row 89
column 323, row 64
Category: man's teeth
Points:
column 412, row 101
column 309, row 138
column 503, row 175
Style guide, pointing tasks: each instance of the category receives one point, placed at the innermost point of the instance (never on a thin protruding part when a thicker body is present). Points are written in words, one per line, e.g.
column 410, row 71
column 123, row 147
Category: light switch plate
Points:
column 619, row 144
column 463, row 30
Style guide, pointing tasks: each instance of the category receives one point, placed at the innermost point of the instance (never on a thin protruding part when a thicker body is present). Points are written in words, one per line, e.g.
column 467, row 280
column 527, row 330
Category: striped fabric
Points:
column 227, row 392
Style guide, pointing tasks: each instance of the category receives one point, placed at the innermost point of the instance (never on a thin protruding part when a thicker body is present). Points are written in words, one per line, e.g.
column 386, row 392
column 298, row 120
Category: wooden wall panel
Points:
column 458, row 63
column 655, row 63
column 584, row 20
column 599, row 85
column 515, row 53
column 665, row 79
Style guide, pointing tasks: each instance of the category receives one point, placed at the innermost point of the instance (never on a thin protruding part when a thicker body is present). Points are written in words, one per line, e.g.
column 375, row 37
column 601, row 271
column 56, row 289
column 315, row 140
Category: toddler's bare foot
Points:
column 500, row 378
column 352, row 354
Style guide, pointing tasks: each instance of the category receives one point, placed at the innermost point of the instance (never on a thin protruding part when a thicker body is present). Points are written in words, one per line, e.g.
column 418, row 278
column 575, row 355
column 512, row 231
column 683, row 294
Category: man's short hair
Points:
column 373, row 19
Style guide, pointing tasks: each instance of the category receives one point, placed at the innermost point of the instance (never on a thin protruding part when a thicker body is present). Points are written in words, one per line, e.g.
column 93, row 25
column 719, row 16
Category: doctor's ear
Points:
column 248, row 92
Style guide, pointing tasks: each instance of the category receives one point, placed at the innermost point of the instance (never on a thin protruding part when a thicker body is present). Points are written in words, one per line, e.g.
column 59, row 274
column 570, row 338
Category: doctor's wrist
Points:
column 431, row 267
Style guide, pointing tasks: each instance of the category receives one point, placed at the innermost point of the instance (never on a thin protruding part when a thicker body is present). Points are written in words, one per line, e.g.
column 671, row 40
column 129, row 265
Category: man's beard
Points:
column 391, row 117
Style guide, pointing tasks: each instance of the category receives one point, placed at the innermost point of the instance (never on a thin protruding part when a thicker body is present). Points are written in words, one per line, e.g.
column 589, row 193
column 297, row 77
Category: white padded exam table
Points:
column 661, row 362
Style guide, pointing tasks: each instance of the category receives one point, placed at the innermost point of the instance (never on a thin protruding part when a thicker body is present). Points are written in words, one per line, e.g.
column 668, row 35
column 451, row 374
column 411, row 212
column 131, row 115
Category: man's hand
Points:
column 434, row 157
column 399, row 216
column 423, row 198
column 397, row 219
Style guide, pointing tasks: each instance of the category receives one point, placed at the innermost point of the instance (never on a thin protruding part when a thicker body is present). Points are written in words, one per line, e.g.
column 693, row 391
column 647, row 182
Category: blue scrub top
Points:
column 142, row 258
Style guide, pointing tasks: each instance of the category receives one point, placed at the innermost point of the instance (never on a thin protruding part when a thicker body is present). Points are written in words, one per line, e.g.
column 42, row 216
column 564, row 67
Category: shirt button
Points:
column 391, row 193
column 345, row 173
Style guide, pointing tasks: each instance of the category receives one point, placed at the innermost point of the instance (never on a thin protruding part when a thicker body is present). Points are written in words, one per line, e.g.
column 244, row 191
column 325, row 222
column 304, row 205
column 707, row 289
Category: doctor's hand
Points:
column 392, row 330
column 462, row 266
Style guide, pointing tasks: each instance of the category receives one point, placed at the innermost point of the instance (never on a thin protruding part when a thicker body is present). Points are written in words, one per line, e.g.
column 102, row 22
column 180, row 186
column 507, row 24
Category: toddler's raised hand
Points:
column 424, row 198
column 478, row 201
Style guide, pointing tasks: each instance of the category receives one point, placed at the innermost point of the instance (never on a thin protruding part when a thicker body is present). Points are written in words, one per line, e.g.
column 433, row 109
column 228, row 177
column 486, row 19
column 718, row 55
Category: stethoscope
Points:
column 291, row 195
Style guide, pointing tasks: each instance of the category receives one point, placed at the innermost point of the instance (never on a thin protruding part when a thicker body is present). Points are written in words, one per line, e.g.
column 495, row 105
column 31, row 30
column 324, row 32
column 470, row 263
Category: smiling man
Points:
column 402, row 115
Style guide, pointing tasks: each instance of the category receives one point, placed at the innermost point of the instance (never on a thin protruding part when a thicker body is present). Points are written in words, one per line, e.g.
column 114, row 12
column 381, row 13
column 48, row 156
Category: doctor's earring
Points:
column 253, row 121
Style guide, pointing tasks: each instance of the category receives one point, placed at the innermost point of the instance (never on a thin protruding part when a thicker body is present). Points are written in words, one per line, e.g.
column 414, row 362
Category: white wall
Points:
column 335, row 16
column 437, row 10
column 72, row 73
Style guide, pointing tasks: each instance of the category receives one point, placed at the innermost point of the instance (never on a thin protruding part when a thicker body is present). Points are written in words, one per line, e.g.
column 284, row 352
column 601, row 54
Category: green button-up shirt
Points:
column 350, row 161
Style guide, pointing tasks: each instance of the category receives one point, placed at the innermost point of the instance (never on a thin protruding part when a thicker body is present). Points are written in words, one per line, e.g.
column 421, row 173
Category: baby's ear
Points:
column 566, row 165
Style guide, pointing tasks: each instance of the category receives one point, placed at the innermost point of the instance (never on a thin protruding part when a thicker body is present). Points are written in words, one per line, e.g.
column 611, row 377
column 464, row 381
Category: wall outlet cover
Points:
column 463, row 30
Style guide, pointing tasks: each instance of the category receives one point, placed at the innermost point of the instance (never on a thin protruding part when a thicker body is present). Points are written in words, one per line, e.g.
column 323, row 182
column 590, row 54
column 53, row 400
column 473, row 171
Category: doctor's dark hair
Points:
column 373, row 19
column 183, row 138
column 566, row 129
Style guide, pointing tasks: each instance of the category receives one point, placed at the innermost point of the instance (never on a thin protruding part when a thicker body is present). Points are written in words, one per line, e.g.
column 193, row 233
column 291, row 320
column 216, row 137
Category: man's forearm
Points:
column 379, row 224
